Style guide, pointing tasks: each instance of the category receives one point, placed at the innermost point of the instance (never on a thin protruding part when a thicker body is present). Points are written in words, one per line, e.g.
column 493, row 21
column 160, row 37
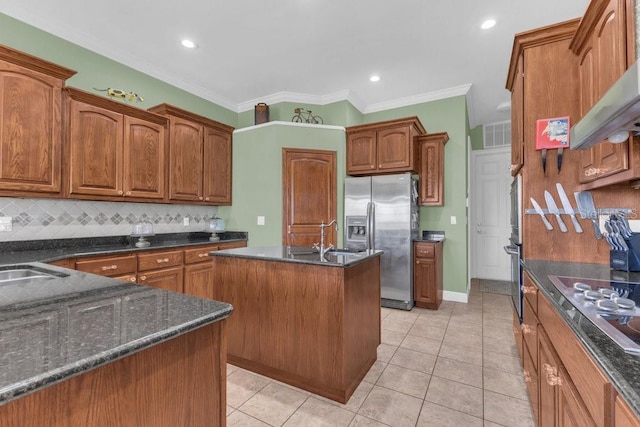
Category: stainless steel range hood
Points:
column 618, row 109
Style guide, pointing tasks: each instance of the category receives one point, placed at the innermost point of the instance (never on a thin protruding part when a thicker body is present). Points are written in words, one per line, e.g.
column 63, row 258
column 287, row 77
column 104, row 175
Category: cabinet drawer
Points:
column 232, row 245
column 157, row 260
column 591, row 384
column 425, row 250
column 111, row 266
column 199, row 254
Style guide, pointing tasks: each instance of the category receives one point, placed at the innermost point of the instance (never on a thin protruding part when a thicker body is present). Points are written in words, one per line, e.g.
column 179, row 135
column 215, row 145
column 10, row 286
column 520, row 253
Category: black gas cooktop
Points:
column 610, row 305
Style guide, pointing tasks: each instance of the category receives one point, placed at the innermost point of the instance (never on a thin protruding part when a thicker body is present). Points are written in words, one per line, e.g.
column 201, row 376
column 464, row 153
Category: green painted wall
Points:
column 257, row 176
column 257, row 153
column 96, row 71
column 477, row 138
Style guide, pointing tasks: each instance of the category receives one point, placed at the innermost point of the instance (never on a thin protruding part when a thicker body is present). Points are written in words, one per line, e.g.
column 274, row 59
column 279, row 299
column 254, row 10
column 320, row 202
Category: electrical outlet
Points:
column 6, row 223
column 454, row 220
column 185, row 221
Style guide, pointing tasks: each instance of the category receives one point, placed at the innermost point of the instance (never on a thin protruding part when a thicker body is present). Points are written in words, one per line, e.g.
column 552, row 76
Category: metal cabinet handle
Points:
column 132, row 279
column 551, row 375
column 108, row 267
column 143, row 278
column 120, row 192
column 202, row 255
column 529, row 290
column 527, row 376
column 160, row 261
column 526, row 329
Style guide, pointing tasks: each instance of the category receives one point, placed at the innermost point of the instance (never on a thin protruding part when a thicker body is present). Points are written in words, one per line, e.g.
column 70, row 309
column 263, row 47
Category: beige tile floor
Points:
column 457, row 366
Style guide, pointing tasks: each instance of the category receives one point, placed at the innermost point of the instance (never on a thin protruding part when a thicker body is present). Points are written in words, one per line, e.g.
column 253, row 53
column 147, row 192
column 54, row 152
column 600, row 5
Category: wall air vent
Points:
column 496, row 135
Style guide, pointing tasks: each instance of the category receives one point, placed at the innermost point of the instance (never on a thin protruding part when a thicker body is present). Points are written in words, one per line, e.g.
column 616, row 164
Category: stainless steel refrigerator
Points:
column 381, row 212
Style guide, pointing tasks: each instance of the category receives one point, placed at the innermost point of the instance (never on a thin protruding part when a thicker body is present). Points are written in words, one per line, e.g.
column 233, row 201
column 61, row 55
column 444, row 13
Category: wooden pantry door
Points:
column 308, row 196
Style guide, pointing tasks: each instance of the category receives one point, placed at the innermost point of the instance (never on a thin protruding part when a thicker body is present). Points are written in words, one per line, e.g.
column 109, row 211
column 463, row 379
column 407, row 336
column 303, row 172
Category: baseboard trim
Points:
column 455, row 296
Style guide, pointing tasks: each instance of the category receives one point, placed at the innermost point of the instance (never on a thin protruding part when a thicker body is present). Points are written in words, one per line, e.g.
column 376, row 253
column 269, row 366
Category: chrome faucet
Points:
column 321, row 248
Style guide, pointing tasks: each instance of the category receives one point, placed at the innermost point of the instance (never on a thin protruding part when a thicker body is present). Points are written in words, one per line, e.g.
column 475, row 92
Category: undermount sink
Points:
column 27, row 273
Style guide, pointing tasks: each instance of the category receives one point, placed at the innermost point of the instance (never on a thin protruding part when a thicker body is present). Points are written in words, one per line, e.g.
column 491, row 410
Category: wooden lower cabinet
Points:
column 169, row 279
column 566, row 388
column 427, row 274
column 624, row 416
column 179, row 382
column 185, row 269
column 198, row 271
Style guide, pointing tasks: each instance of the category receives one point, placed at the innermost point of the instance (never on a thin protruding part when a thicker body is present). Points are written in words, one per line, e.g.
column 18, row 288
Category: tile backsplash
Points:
column 36, row 219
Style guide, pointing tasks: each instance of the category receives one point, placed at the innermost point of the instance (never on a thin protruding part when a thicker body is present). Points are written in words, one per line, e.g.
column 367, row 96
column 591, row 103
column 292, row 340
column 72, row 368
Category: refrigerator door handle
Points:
column 367, row 227
column 372, row 226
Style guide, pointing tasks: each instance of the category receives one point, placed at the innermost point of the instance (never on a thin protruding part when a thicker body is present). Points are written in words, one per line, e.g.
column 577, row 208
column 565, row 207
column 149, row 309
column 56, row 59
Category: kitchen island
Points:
column 309, row 321
column 80, row 349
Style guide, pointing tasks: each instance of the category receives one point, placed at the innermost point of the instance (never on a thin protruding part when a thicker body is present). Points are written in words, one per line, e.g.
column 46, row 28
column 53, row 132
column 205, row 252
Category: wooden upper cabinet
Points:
column 185, row 160
column 432, row 168
column 115, row 150
column 30, row 131
column 217, row 166
column 604, row 44
column 384, row 147
column 200, row 152
column 144, row 159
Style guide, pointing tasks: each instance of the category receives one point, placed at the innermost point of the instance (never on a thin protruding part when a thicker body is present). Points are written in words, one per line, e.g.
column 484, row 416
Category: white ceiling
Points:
column 314, row 51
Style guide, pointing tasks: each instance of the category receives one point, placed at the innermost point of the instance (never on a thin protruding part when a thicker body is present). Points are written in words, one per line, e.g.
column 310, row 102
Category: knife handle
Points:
column 596, row 228
column 547, row 224
column 561, row 224
column 576, row 224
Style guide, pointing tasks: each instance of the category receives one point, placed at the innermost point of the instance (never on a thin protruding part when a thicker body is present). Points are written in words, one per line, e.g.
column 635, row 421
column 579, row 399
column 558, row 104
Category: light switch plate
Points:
column 6, row 223
column 260, row 220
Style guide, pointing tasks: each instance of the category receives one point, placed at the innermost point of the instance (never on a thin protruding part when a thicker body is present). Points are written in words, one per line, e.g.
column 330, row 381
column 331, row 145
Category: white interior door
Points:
column 490, row 210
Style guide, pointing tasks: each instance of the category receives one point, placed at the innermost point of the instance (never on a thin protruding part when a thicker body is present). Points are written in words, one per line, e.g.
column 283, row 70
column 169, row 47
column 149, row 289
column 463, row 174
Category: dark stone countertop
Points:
column 52, row 329
column 54, row 250
column 621, row 368
column 298, row 254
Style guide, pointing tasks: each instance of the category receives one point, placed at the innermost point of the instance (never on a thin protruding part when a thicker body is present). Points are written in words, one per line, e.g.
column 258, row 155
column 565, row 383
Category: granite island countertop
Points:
column 298, row 254
column 53, row 329
column 57, row 249
column 622, row 369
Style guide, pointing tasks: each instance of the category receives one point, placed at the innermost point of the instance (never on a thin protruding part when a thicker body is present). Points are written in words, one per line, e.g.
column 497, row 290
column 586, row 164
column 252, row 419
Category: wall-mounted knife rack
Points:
column 601, row 211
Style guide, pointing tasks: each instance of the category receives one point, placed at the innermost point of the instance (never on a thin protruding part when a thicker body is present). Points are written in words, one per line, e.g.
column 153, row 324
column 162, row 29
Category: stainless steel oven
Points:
column 514, row 249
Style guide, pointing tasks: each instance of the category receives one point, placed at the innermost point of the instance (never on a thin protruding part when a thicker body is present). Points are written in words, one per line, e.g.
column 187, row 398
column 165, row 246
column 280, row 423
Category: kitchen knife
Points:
column 566, row 205
column 587, row 209
column 538, row 209
column 553, row 208
column 560, row 150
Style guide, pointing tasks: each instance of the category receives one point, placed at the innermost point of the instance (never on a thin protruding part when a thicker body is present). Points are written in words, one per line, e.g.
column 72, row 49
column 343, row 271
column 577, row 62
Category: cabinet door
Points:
column 198, row 280
column 185, row 156
column 602, row 62
column 170, row 279
column 547, row 399
column 424, row 282
column 144, row 159
column 394, row 148
column 432, row 173
column 30, row 132
column 361, row 152
column 217, row 167
column 572, row 412
column 517, row 119
column 96, row 143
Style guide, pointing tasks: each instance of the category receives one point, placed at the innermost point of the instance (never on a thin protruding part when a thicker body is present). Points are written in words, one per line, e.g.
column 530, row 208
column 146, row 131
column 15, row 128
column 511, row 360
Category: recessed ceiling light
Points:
column 488, row 24
column 188, row 43
column 374, row 78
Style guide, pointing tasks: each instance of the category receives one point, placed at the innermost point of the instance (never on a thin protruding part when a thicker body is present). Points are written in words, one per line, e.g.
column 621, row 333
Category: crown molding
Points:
column 419, row 99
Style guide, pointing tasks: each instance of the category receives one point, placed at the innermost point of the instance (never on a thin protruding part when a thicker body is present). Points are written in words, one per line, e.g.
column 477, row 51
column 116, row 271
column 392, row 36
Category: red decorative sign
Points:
column 552, row 133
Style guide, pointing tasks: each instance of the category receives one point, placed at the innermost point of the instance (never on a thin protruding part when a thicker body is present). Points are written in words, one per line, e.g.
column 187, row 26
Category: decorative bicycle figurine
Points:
column 305, row 116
